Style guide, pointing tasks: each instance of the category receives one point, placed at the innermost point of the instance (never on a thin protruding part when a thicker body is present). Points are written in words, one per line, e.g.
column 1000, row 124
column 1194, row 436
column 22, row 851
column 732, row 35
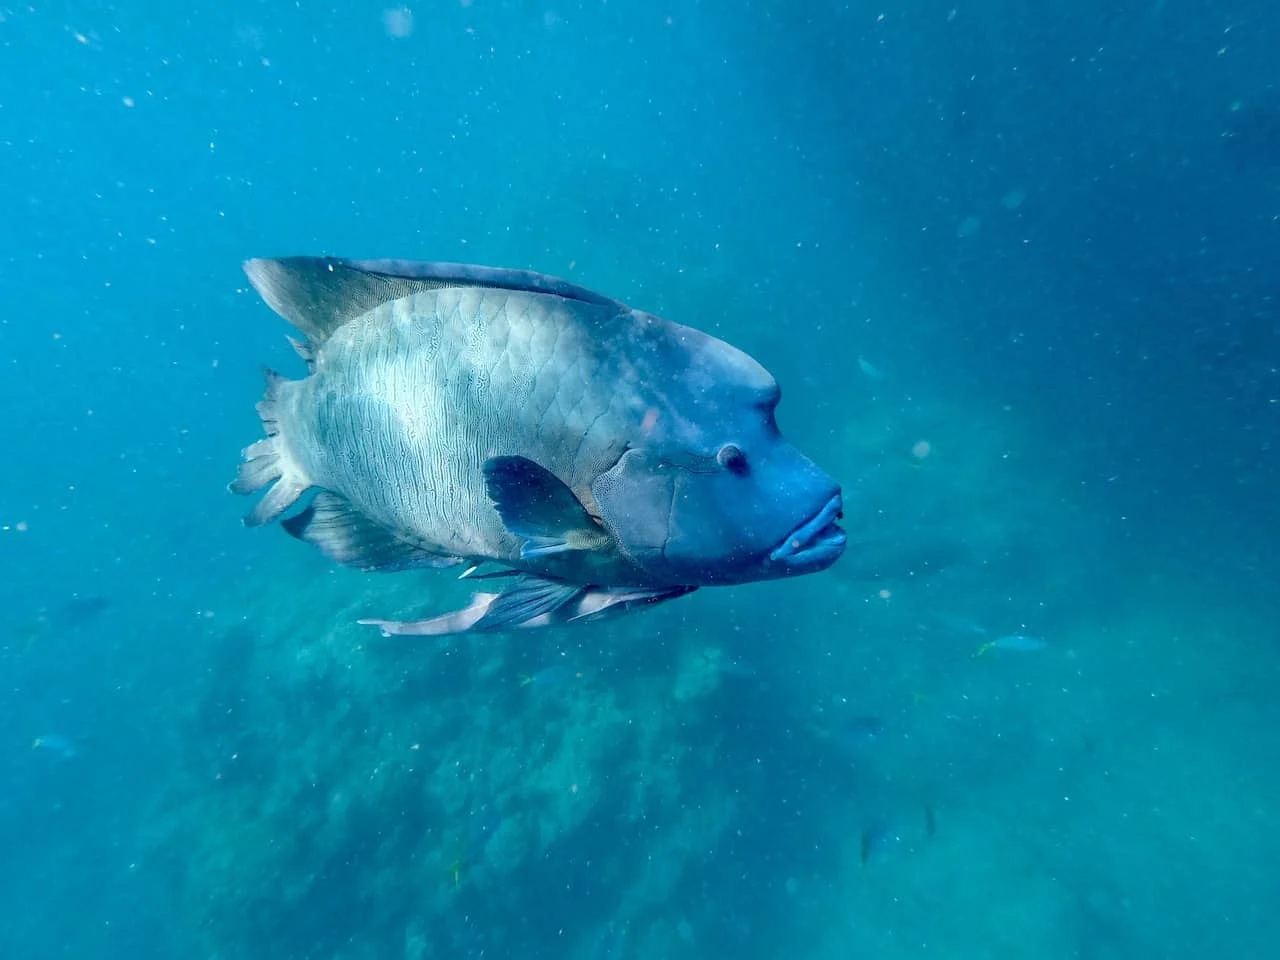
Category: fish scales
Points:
column 434, row 384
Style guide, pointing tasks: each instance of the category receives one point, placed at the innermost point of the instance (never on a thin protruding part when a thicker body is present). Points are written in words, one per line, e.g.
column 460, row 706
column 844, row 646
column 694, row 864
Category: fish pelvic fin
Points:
column 268, row 462
column 529, row 603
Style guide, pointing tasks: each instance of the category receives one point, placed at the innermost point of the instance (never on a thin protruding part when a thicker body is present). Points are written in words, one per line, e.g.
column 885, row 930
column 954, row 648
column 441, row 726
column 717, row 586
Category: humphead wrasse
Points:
column 604, row 458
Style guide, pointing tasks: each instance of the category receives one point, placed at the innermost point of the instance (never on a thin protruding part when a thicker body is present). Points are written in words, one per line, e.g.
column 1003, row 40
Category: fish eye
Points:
column 732, row 459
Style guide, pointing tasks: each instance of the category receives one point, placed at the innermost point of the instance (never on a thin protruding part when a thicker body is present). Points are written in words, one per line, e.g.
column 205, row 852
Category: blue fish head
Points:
column 709, row 491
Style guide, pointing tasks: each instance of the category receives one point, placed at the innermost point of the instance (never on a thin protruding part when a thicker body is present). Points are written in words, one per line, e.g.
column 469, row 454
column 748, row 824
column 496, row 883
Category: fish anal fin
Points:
column 348, row 537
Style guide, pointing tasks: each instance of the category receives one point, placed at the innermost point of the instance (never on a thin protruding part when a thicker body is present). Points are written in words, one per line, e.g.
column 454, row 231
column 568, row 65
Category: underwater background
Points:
column 1014, row 266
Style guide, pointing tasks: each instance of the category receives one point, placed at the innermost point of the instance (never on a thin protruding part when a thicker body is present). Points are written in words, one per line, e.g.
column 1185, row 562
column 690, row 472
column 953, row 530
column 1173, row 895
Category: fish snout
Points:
column 815, row 544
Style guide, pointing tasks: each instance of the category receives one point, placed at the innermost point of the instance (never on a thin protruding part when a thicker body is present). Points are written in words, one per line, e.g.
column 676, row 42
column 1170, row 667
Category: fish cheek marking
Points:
column 671, row 516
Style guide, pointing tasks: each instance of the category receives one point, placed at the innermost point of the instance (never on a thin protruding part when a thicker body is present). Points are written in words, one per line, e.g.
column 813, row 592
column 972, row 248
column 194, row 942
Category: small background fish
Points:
column 56, row 745
column 1014, row 643
column 70, row 616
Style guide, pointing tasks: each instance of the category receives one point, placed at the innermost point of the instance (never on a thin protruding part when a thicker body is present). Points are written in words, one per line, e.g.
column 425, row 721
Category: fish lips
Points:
column 814, row 545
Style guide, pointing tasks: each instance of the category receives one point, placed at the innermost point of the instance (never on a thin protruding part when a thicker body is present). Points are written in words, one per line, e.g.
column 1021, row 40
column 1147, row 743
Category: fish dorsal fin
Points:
column 320, row 294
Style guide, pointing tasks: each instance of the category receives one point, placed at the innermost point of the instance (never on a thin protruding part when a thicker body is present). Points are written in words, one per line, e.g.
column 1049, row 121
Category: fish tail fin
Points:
column 269, row 463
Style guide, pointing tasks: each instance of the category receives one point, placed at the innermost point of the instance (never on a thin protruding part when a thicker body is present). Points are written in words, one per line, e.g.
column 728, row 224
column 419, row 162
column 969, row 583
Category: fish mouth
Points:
column 815, row 544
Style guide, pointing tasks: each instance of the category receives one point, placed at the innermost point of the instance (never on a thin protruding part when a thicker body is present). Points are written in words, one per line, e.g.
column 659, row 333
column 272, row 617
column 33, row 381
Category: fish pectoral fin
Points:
column 347, row 536
column 538, row 507
column 535, row 547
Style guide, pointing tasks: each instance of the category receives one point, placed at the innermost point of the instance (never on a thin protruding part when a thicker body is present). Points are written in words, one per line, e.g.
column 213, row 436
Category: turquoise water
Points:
column 1014, row 269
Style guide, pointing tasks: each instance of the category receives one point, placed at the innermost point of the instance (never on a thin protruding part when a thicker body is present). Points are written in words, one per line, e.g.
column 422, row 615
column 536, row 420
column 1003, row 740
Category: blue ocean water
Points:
column 1013, row 266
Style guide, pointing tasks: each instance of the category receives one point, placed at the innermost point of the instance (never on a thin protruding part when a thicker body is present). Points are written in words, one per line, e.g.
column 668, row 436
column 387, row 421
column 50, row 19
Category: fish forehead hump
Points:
column 715, row 363
column 691, row 375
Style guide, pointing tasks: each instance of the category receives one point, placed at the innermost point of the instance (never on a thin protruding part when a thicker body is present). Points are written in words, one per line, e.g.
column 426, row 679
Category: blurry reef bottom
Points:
column 582, row 804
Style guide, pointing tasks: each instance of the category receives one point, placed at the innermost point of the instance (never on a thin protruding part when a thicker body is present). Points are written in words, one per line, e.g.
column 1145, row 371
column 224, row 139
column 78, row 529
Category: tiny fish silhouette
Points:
column 553, row 675
column 1014, row 642
column 55, row 744
column 869, row 369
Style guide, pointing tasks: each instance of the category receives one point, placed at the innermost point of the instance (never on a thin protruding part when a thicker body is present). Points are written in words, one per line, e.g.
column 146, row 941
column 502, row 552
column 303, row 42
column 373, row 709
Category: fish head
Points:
column 709, row 491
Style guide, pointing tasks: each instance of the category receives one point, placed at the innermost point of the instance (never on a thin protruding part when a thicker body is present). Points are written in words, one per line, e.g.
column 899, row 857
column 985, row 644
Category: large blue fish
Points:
column 602, row 457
